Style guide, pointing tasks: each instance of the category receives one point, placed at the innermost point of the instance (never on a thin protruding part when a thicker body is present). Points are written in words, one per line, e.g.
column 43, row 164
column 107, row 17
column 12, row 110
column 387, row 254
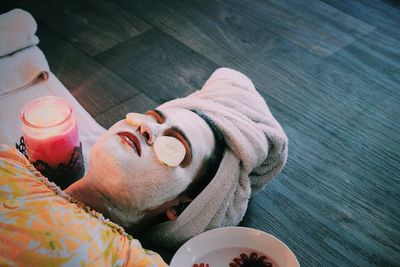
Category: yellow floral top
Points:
column 40, row 225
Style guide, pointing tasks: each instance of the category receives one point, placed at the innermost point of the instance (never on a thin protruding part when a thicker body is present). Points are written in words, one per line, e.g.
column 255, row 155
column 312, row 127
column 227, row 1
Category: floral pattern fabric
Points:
column 40, row 225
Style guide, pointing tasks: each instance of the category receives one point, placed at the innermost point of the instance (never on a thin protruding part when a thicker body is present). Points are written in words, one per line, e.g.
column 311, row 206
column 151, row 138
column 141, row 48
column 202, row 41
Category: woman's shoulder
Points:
column 10, row 153
column 52, row 226
column 13, row 167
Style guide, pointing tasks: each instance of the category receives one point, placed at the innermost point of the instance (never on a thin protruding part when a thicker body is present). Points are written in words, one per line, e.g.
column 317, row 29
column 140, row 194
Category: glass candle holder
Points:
column 50, row 132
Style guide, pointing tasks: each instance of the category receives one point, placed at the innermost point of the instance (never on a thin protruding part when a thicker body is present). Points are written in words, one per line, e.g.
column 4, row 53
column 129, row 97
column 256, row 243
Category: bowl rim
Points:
column 206, row 234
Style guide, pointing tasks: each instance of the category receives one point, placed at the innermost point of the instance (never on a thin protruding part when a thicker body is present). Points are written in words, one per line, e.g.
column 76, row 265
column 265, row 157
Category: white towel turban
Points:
column 256, row 150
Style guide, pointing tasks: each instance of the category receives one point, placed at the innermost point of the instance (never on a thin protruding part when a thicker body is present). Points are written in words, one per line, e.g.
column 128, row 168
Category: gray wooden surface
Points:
column 329, row 70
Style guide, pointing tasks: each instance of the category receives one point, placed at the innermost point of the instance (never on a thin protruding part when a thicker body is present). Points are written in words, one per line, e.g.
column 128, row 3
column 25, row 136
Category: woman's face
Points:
column 133, row 177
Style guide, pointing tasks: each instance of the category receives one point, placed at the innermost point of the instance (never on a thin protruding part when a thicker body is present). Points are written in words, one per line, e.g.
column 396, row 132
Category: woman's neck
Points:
column 87, row 193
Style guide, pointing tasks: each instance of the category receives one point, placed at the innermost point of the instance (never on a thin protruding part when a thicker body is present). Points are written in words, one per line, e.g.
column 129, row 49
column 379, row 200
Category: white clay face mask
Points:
column 169, row 150
column 136, row 119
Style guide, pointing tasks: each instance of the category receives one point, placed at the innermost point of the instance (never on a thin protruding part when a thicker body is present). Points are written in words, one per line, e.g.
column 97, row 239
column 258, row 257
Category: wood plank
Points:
column 380, row 14
column 95, row 87
column 139, row 103
column 359, row 110
column 317, row 198
column 92, row 26
column 357, row 148
column 313, row 25
column 160, row 66
column 231, row 39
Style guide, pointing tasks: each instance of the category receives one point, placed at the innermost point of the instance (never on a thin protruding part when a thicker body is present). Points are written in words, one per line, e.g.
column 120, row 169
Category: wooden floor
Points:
column 329, row 71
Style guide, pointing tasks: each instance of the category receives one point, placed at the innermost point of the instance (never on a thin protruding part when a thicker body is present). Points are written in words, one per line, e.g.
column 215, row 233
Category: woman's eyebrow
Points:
column 160, row 116
column 182, row 133
column 159, row 113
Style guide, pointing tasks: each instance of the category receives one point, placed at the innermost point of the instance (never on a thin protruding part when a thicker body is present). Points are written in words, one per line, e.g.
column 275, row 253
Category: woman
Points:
column 127, row 181
column 232, row 147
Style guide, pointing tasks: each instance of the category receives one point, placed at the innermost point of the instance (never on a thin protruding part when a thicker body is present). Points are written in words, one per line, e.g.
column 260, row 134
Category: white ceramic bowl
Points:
column 218, row 248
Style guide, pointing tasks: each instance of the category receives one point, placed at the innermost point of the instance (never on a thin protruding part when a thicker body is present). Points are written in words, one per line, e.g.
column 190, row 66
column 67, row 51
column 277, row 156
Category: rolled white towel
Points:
column 17, row 31
column 22, row 63
column 20, row 70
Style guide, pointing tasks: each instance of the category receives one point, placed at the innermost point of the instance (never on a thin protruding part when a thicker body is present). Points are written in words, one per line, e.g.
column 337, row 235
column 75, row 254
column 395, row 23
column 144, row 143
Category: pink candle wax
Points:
column 50, row 130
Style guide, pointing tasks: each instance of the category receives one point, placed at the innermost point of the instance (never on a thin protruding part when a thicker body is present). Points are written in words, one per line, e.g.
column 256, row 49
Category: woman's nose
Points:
column 149, row 131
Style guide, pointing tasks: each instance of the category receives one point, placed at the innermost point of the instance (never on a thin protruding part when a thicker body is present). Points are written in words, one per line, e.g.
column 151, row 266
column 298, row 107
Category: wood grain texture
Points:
column 96, row 88
column 329, row 71
column 139, row 104
column 313, row 25
column 252, row 25
column 163, row 67
column 92, row 26
column 348, row 105
column 384, row 15
column 229, row 38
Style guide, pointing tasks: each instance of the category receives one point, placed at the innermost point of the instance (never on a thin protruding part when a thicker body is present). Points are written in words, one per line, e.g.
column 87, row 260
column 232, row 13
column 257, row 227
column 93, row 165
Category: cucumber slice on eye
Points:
column 169, row 150
column 136, row 119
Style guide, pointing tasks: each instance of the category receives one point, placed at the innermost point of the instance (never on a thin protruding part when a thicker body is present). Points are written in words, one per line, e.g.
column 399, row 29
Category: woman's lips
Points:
column 131, row 140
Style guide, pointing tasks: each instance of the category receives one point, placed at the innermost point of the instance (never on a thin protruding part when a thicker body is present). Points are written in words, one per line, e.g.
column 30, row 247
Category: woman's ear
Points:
column 173, row 212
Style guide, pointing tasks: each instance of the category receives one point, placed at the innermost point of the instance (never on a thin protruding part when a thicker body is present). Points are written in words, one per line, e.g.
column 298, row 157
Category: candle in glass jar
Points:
column 50, row 130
